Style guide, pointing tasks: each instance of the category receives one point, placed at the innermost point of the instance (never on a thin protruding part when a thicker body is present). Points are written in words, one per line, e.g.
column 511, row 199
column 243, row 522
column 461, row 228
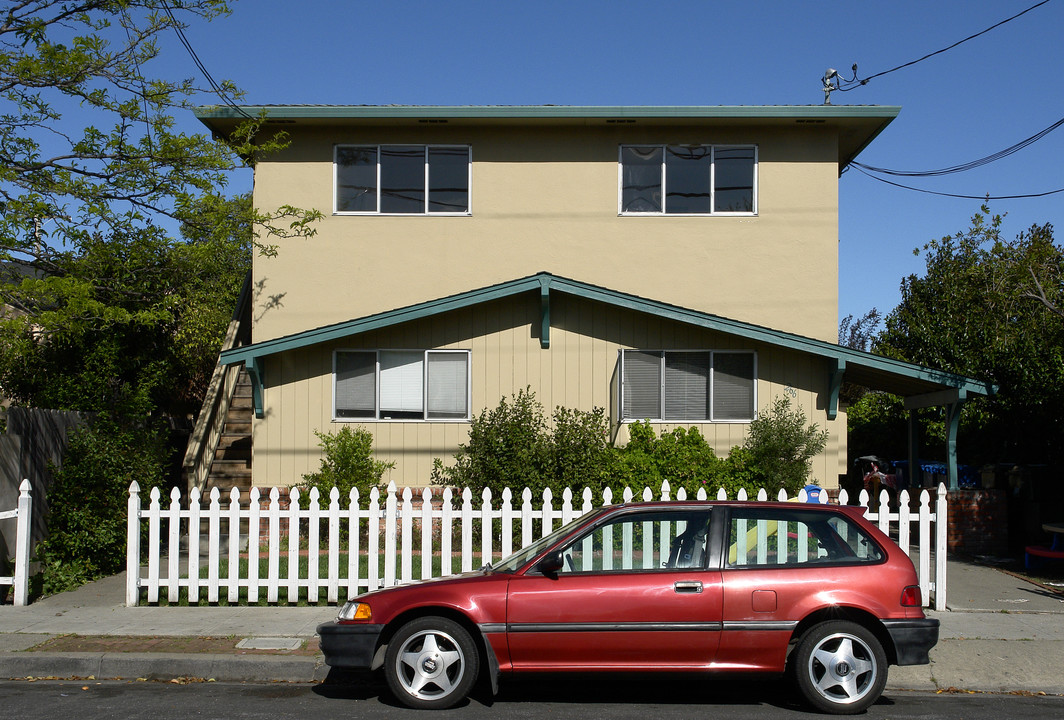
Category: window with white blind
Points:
column 401, row 384
column 402, row 179
column 688, row 180
column 688, row 386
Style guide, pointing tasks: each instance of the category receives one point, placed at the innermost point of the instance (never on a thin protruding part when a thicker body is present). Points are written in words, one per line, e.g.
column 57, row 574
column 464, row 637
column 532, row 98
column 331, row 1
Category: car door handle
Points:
column 687, row 586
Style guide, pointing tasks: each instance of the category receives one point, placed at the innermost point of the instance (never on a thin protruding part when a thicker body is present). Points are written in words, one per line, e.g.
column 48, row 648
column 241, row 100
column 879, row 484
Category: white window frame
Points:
column 425, row 211
column 626, row 418
column 425, row 354
column 664, row 180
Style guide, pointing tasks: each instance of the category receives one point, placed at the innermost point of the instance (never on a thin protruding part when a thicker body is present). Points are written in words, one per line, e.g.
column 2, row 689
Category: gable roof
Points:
column 856, row 125
column 874, row 371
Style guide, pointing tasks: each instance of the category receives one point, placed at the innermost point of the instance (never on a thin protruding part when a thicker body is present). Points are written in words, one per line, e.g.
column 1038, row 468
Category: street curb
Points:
column 163, row 666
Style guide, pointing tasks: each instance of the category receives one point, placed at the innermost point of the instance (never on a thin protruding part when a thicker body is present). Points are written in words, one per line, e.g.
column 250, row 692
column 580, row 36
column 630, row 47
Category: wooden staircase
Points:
column 231, row 466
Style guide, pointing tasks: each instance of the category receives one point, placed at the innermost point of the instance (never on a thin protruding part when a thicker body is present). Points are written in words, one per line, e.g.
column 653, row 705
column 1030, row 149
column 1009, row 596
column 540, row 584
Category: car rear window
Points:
column 782, row 537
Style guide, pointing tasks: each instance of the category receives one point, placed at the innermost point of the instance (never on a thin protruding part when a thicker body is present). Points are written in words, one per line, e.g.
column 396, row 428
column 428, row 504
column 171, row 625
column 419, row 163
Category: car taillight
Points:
column 910, row 596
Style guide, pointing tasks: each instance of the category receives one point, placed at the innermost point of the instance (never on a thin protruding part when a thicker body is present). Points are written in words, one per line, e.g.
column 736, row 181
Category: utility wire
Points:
column 202, row 68
column 957, row 195
column 852, row 84
column 968, row 165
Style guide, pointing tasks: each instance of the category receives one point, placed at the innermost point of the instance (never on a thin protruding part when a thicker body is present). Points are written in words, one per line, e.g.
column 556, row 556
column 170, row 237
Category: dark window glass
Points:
column 448, row 179
column 356, row 179
column 642, row 385
column 402, row 179
column 356, row 384
column 687, row 183
column 734, row 180
column 641, row 179
column 733, row 386
column 686, row 385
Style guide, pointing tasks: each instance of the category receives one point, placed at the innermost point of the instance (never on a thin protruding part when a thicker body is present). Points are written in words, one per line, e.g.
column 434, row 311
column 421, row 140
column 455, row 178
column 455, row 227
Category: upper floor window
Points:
column 714, row 386
column 401, row 384
column 688, row 180
column 402, row 179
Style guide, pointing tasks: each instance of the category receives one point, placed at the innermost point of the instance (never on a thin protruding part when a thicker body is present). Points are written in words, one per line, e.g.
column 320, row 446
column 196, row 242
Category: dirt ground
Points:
column 161, row 644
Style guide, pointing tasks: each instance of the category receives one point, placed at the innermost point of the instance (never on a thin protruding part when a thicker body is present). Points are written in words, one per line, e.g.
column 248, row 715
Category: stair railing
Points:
column 207, row 433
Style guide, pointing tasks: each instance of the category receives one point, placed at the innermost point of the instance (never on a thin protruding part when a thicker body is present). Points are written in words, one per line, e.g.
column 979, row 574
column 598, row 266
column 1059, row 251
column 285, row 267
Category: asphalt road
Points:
column 626, row 697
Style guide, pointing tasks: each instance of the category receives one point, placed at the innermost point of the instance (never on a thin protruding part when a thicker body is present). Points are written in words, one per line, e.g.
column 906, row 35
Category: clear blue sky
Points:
column 969, row 102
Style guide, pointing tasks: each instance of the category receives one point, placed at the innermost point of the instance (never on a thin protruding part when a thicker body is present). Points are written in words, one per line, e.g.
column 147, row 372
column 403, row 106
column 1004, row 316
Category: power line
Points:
column 862, row 170
column 968, row 165
column 219, row 91
column 852, row 84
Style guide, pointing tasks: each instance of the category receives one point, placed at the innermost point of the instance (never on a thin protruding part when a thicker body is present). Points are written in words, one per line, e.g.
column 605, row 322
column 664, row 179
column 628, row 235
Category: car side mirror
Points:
column 551, row 563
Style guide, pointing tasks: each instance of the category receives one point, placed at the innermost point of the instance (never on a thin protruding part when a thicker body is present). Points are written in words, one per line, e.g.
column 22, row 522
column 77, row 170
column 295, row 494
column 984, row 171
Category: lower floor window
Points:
column 684, row 385
column 401, row 384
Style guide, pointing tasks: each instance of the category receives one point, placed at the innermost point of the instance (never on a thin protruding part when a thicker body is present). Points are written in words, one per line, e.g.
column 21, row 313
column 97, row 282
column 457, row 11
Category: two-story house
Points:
column 677, row 264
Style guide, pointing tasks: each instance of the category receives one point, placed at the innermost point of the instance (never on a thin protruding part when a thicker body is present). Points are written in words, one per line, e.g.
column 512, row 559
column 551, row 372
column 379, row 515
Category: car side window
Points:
column 775, row 537
column 644, row 541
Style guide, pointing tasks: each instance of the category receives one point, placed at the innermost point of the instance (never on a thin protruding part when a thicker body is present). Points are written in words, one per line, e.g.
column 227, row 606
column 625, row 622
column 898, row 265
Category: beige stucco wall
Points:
column 506, row 356
column 544, row 198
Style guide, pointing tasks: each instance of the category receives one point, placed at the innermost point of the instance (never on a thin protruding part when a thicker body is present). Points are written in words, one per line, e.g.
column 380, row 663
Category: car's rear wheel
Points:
column 431, row 663
column 840, row 667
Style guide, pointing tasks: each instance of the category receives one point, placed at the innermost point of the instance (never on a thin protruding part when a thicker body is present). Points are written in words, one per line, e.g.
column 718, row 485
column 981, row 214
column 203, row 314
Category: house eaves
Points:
column 855, row 125
column 920, row 385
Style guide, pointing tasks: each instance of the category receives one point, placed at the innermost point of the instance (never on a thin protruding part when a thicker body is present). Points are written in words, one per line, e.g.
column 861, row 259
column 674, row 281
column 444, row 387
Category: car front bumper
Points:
column 913, row 639
column 349, row 645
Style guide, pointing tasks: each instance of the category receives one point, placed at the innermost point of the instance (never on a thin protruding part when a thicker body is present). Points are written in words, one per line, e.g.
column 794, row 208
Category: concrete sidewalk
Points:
column 1000, row 634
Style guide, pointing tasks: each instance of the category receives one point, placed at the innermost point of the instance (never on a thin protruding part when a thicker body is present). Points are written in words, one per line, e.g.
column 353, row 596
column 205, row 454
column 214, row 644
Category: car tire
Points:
column 431, row 663
column 840, row 667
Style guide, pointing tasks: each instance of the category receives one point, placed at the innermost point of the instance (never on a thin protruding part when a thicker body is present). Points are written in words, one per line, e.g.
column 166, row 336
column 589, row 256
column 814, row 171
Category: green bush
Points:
column 512, row 446
column 347, row 463
column 780, row 446
column 579, row 451
column 682, row 456
column 88, row 501
column 507, row 448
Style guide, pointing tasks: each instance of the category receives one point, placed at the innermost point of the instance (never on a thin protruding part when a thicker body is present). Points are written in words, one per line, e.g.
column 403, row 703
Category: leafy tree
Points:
column 108, row 307
column 858, row 334
column 990, row 308
column 129, row 324
column 88, row 144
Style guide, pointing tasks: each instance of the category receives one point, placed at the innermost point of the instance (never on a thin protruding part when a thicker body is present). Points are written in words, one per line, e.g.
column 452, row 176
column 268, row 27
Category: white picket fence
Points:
column 379, row 548
column 22, row 514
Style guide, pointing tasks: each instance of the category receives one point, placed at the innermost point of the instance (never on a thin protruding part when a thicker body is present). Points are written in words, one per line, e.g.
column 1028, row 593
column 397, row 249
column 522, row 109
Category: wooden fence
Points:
column 269, row 548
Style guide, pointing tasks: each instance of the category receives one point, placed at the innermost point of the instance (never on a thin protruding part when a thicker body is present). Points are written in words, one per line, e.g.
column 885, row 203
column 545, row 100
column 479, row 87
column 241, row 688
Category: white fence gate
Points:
column 270, row 546
column 22, row 514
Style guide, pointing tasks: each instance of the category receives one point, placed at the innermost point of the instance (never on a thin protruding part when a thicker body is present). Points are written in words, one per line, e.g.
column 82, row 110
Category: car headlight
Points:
column 352, row 611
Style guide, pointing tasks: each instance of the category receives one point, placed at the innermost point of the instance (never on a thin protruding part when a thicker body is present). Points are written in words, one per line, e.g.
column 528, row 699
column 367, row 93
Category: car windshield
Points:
column 514, row 562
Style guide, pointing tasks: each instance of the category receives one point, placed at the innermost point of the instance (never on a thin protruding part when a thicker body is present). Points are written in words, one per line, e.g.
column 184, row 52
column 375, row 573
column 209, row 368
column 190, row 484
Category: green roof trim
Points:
column 901, row 378
column 334, row 112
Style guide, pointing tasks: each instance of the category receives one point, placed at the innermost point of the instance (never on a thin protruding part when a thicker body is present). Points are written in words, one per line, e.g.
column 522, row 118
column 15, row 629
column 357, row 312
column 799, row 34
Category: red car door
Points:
column 631, row 593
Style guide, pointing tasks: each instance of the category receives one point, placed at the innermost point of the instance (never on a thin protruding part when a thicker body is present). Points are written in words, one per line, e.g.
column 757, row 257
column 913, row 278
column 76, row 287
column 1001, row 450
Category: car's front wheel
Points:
column 840, row 667
column 431, row 663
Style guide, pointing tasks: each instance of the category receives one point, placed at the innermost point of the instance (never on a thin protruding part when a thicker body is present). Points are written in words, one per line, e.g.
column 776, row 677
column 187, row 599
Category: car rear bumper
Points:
column 349, row 645
column 913, row 639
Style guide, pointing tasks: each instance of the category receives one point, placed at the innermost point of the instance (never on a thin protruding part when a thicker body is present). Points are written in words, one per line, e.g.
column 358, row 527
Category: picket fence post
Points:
column 133, row 545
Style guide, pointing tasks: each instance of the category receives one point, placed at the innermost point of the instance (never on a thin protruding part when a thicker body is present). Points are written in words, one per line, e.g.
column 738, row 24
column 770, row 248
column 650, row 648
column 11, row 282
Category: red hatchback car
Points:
column 814, row 590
